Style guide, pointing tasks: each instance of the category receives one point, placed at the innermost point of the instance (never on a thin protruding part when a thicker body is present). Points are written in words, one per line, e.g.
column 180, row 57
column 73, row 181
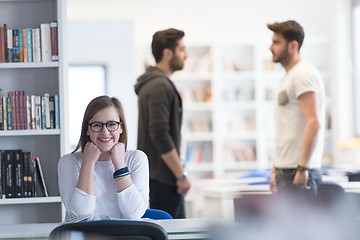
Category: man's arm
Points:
column 172, row 160
column 308, row 107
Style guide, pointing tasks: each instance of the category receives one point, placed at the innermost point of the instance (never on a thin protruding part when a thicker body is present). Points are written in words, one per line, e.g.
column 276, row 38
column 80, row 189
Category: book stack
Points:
column 29, row 44
column 21, row 175
column 20, row 112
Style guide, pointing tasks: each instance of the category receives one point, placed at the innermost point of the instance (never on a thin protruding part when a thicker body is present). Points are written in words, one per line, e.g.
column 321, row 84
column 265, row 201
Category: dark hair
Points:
column 165, row 39
column 290, row 30
column 92, row 108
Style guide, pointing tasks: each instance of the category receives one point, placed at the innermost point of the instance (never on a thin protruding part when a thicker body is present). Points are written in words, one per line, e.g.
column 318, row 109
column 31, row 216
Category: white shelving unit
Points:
column 36, row 79
column 240, row 82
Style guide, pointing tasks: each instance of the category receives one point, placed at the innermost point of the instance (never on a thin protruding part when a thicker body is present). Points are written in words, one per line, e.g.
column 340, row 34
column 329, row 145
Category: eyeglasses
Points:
column 112, row 126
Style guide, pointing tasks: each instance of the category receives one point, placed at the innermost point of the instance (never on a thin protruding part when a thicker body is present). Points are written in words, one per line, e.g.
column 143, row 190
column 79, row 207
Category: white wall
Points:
column 209, row 21
column 108, row 43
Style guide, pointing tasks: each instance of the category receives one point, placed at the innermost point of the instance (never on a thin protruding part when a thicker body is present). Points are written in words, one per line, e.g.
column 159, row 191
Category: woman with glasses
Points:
column 103, row 178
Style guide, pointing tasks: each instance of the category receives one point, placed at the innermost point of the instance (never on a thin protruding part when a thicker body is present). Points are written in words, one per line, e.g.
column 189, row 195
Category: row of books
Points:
column 239, row 152
column 233, row 94
column 196, row 94
column 245, row 121
column 201, row 153
column 198, row 125
column 29, row 44
column 21, row 175
column 20, row 112
column 198, row 63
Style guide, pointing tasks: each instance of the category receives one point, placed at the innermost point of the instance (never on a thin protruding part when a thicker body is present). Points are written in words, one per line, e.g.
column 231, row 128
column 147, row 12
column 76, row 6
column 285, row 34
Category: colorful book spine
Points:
column 52, row 111
column 5, row 116
column 54, row 41
column 16, row 48
column 24, row 42
column 21, row 47
column 9, row 113
column 29, row 44
column 2, row 44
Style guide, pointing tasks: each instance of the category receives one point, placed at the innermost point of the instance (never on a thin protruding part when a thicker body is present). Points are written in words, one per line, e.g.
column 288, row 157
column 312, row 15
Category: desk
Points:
column 195, row 228
column 220, row 199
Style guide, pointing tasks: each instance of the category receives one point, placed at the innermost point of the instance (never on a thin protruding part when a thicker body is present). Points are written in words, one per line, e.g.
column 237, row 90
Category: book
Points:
column 24, row 44
column 54, row 41
column 9, row 46
column 5, row 42
column 37, row 112
column 45, row 42
column 4, row 109
column 43, row 113
column 32, row 178
column 16, row 49
column 26, row 161
column 1, row 111
column 33, row 112
column 8, row 176
column 36, row 45
column 2, row 44
column 29, row 44
column 57, row 112
column 2, row 177
column 28, row 112
column 40, row 178
column 18, row 173
column 52, row 111
column 22, row 106
column 21, row 48
column 9, row 113
column 47, row 110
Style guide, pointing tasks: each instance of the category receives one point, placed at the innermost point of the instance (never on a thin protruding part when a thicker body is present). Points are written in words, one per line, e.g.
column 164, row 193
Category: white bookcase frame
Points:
column 37, row 79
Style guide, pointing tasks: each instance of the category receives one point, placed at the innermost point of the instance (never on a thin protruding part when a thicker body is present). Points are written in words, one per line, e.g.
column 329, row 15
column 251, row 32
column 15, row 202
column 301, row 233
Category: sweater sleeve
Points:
column 133, row 201
column 159, row 105
column 77, row 202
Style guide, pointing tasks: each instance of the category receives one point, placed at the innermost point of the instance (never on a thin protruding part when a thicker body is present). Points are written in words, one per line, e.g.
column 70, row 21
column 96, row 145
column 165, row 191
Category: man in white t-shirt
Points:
column 299, row 115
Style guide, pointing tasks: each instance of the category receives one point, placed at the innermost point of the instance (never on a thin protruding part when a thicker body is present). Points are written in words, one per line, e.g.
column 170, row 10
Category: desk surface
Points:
column 195, row 228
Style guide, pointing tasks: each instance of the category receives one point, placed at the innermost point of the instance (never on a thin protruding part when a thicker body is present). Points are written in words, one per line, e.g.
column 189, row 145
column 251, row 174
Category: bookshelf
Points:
column 36, row 78
column 228, row 92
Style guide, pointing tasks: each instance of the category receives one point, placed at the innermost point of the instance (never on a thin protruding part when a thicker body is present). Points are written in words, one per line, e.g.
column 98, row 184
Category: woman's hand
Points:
column 91, row 153
column 118, row 155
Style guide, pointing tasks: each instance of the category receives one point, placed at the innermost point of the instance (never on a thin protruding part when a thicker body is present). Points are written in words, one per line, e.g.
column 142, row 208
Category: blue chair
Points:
column 156, row 214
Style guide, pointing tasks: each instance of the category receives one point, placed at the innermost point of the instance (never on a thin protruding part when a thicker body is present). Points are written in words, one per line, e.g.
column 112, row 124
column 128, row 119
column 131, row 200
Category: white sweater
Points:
column 131, row 203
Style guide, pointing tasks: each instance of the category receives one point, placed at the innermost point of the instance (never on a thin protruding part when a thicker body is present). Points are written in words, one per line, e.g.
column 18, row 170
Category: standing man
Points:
column 160, row 116
column 299, row 115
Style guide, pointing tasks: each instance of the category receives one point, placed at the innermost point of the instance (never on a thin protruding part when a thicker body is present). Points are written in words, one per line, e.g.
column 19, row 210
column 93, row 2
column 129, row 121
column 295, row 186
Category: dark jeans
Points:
column 284, row 183
column 165, row 197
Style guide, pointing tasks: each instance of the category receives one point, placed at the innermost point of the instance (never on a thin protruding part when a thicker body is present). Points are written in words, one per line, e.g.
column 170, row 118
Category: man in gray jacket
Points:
column 159, row 124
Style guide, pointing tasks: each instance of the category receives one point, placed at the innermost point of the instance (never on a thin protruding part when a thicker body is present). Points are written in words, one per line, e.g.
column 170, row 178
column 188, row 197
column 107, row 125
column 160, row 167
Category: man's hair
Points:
column 165, row 39
column 290, row 30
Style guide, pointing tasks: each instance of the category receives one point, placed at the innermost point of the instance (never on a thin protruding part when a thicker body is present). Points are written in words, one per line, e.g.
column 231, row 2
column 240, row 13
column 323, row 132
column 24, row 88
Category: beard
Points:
column 176, row 64
column 282, row 57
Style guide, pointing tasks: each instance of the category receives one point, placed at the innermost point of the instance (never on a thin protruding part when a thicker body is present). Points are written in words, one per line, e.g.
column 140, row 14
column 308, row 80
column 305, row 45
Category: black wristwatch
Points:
column 301, row 168
column 182, row 177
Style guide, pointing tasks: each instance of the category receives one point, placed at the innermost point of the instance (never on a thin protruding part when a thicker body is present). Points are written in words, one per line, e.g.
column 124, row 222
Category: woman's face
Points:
column 105, row 139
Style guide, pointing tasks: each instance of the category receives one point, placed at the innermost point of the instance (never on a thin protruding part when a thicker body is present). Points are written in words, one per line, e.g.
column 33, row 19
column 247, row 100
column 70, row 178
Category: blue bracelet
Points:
column 120, row 172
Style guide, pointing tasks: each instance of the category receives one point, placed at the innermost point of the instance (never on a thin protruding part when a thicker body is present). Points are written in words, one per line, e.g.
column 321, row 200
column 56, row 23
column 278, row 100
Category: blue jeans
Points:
column 285, row 186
